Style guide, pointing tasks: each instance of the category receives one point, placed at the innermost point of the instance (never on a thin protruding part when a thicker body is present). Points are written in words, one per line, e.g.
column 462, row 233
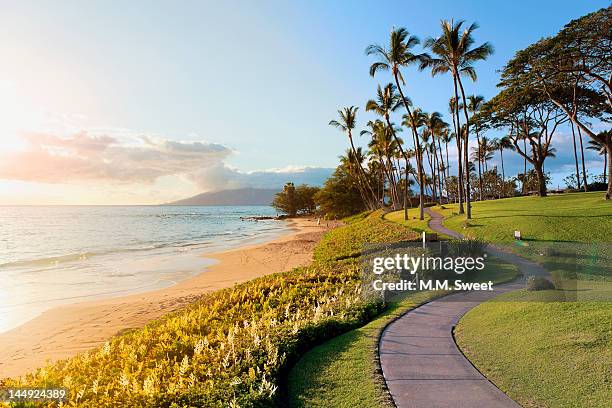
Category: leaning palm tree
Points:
column 474, row 105
column 452, row 109
column 398, row 56
column 502, row 144
column 347, row 124
column 434, row 122
column 455, row 55
column 600, row 148
column 387, row 100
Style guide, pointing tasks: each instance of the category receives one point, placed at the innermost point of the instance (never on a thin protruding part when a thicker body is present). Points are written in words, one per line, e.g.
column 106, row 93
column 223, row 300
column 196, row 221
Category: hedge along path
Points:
column 421, row 363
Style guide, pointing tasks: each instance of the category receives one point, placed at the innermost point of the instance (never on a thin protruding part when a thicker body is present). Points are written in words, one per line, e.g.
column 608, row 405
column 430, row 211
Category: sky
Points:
column 145, row 102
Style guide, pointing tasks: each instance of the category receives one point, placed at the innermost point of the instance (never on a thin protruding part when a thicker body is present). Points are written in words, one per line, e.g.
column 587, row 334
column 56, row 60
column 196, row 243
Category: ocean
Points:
column 56, row 255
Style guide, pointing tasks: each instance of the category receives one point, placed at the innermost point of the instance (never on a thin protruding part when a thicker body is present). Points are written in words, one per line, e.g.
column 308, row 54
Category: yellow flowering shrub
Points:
column 233, row 347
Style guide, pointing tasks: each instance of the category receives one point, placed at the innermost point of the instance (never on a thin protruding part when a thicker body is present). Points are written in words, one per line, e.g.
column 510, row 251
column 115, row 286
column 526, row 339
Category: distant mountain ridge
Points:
column 240, row 196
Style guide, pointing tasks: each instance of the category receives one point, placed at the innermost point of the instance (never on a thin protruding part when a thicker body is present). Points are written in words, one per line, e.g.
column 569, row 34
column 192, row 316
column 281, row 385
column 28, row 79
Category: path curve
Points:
column 421, row 363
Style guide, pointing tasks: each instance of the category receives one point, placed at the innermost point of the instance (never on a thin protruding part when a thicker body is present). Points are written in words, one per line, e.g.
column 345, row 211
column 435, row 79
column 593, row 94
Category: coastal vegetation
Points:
column 294, row 200
column 232, row 347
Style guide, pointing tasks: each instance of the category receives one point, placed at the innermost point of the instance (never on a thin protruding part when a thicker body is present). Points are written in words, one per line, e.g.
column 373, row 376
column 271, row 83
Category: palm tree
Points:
column 456, row 56
column 584, row 174
column 575, row 154
column 600, row 148
column 383, row 146
column 474, row 105
column 452, row 108
column 397, row 56
column 349, row 161
column 501, row 144
column 387, row 101
column 435, row 123
column 347, row 124
column 486, row 151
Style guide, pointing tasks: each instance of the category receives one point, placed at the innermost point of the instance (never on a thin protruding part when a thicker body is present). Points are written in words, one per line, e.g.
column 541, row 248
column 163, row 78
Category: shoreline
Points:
column 65, row 331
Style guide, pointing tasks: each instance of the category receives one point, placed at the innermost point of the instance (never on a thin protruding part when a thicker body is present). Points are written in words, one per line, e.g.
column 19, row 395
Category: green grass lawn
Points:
column 543, row 354
column 343, row 373
column 413, row 221
column 575, row 217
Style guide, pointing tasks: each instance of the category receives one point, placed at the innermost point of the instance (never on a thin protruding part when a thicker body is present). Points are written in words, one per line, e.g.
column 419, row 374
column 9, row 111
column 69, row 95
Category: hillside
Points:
column 241, row 196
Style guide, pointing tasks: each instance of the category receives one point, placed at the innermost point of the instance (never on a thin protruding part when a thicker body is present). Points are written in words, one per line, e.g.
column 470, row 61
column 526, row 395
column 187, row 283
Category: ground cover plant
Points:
column 233, row 346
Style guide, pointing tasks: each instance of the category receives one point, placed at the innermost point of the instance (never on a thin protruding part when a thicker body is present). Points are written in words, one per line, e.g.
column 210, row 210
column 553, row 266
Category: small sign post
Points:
column 517, row 235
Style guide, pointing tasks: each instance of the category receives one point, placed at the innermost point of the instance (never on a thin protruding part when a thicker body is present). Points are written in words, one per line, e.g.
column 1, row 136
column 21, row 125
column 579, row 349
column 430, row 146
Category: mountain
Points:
column 241, row 196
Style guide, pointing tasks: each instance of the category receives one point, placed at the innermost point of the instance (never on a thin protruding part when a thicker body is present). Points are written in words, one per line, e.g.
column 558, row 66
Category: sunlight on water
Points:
column 51, row 256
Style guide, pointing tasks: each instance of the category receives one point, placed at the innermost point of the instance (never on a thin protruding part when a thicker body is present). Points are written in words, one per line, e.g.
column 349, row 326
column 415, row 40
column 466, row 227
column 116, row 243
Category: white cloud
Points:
column 127, row 159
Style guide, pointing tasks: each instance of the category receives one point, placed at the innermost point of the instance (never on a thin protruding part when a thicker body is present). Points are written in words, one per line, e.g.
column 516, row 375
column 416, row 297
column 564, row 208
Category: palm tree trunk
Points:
column 609, row 163
column 524, row 166
column 479, row 165
column 457, row 123
column 438, row 170
column 605, row 155
column 575, row 154
column 443, row 169
column 468, row 200
column 371, row 204
column 584, row 176
column 417, row 146
column 406, row 193
column 433, row 177
column 501, row 153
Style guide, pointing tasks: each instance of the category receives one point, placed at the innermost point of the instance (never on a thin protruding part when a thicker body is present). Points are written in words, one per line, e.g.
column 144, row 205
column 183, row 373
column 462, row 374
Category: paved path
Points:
column 421, row 363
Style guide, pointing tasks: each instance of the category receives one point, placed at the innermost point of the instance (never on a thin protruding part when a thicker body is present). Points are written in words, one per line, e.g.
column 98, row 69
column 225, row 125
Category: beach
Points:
column 65, row 331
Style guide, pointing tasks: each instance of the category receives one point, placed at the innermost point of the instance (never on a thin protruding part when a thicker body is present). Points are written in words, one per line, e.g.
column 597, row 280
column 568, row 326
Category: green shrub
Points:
column 539, row 283
column 233, row 346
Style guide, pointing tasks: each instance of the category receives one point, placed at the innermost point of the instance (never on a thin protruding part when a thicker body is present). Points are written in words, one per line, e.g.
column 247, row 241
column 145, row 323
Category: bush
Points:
column 539, row 283
column 233, row 346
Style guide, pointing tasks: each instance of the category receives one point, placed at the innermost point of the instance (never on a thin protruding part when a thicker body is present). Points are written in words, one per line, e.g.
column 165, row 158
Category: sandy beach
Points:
column 68, row 330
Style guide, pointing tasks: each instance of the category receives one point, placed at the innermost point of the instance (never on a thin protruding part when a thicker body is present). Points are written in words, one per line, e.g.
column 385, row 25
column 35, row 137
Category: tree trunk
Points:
column 609, row 154
column 457, row 125
column 524, row 167
column 371, row 204
column 417, row 148
column 479, row 167
column 584, row 176
column 468, row 199
column 541, row 179
column 575, row 155
column 406, row 193
column 501, row 153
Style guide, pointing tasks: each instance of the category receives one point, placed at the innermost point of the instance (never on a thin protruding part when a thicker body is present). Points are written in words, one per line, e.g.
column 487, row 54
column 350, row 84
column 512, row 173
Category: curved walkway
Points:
column 422, row 365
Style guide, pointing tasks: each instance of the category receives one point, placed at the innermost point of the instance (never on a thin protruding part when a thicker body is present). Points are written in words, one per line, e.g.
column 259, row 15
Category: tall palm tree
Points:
column 600, row 148
column 453, row 108
column 346, row 124
column 486, row 151
column 435, row 123
column 455, row 55
column 474, row 105
column 383, row 146
column 397, row 56
column 575, row 154
column 387, row 100
column 584, row 175
column 501, row 144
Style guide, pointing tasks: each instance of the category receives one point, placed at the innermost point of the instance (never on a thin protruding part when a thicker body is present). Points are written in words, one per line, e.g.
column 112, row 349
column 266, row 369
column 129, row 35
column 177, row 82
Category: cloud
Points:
column 222, row 177
column 84, row 157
